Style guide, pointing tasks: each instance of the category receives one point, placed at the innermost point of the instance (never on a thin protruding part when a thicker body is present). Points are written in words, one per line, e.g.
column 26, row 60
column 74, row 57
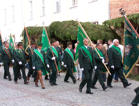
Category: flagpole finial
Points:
column 122, row 11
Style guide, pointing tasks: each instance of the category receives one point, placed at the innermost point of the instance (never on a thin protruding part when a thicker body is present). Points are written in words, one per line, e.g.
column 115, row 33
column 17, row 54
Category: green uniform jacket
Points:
column 37, row 62
column 98, row 62
column 49, row 57
column 84, row 59
column 19, row 55
column 115, row 58
column 6, row 55
column 67, row 59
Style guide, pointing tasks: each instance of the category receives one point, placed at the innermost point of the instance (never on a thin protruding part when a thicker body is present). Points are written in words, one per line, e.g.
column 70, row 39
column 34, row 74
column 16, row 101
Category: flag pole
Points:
column 93, row 47
column 51, row 50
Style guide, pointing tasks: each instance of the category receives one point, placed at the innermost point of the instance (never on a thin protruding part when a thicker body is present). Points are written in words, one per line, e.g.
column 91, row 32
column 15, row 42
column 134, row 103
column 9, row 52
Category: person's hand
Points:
column 53, row 58
column 48, row 66
column 13, row 61
column 112, row 66
column 95, row 67
column 62, row 63
column 65, row 66
column 33, row 67
column 20, row 63
column 82, row 69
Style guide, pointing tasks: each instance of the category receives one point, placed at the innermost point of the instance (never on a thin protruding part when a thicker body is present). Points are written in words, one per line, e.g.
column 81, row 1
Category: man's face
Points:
column 7, row 45
column 109, row 42
column 40, row 47
column 21, row 47
column 70, row 46
column 116, row 43
column 99, row 46
column 86, row 42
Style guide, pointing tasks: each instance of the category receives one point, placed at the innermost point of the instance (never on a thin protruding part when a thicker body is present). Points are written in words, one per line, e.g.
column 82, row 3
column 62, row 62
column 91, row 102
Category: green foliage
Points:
column 67, row 31
column 119, row 22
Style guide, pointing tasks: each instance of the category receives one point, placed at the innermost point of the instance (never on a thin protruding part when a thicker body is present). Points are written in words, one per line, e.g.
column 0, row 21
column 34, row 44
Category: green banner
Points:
column 80, row 38
column 45, row 41
column 131, row 51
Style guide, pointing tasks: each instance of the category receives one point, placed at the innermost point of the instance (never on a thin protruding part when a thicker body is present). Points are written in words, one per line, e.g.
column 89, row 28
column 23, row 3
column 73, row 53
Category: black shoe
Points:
column 10, row 79
column 74, row 81
column 5, row 77
column 66, row 81
column 43, row 87
column 104, row 88
column 55, row 84
column 89, row 92
column 25, row 82
column 93, row 87
column 110, row 86
column 127, row 85
column 80, row 89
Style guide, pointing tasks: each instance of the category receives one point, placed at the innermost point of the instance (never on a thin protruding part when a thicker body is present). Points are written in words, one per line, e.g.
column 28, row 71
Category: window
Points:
column 13, row 13
column 57, row 6
column 5, row 16
column 30, row 10
column 43, row 8
column 74, row 2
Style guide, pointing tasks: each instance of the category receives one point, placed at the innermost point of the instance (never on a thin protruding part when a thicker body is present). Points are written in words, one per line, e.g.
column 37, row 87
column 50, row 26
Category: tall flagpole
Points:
column 93, row 47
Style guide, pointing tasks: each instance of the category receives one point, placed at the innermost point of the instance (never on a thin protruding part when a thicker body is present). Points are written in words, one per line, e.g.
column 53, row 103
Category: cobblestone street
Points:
column 65, row 94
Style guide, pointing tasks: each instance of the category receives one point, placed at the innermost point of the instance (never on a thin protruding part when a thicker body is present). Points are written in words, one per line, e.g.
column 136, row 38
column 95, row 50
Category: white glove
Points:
column 62, row 63
column 53, row 58
column 65, row 65
column 103, row 60
column 81, row 69
column 112, row 66
column 95, row 67
column 13, row 61
column 20, row 63
column 1, row 63
column 48, row 65
column 33, row 67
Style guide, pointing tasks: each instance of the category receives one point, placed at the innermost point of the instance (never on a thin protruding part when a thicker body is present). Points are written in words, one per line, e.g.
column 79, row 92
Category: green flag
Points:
column 11, row 43
column 25, row 40
column 45, row 41
column 131, row 51
column 0, row 40
column 80, row 38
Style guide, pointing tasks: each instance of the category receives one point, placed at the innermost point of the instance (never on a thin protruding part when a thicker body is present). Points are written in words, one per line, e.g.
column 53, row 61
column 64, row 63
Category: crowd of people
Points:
column 89, row 67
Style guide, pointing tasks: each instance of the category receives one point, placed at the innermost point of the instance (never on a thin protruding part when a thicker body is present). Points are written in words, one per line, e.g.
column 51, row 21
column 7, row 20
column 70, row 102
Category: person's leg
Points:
column 110, row 77
column 24, row 74
column 40, row 78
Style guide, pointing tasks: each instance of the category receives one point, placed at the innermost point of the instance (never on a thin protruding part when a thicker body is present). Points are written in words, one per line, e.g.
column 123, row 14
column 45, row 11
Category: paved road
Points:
column 65, row 94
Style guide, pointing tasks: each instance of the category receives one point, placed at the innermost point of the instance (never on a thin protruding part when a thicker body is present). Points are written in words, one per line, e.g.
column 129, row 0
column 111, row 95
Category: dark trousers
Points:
column 17, row 72
column 98, row 76
column 69, row 74
column 6, row 70
column 53, row 74
column 87, row 73
column 119, row 73
column 116, row 76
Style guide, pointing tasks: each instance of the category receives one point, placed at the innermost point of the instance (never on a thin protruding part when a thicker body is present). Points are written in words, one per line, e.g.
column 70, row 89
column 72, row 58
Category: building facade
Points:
column 15, row 14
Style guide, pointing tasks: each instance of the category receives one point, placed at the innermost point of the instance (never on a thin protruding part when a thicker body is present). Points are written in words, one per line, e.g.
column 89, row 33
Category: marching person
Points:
column 38, row 65
column 86, row 64
column 20, row 61
column 6, row 58
column 52, row 56
column 99, row 67
column 115, row 64
column 68, row 62
column 30, row 54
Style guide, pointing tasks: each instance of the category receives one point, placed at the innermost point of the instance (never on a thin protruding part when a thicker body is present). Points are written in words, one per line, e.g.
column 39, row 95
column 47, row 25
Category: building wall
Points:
column 130, row 6
column 44, row 12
